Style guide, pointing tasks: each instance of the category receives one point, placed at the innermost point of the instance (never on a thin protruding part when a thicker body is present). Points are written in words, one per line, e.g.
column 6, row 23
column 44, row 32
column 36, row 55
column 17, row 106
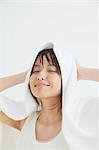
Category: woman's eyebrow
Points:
column 52, row 65
column 48, row 65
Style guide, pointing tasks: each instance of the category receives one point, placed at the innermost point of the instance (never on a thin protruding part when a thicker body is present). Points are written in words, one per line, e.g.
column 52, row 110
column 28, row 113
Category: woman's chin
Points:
column 41, row 95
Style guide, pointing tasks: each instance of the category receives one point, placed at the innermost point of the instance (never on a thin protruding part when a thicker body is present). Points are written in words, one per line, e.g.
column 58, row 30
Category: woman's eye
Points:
column 51, row 71
column 35, row 71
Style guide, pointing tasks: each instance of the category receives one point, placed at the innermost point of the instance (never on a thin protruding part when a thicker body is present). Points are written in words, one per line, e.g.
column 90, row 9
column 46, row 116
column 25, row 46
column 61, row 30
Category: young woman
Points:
column 45, row 86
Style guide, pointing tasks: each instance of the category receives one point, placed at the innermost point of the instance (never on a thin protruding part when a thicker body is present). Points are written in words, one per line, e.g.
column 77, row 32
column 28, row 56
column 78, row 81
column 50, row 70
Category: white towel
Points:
column 77, row 137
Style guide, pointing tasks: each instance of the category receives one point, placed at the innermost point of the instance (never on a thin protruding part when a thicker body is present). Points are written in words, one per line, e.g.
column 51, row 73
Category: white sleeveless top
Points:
column 27, row 139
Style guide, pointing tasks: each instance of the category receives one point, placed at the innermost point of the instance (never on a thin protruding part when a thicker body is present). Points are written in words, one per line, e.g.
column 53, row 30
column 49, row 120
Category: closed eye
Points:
column 51, row 70
column 35, row 71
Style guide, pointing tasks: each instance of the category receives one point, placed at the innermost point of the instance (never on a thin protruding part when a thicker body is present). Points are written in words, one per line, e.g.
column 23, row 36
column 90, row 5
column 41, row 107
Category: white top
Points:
column 13, row 139
column 27, row 139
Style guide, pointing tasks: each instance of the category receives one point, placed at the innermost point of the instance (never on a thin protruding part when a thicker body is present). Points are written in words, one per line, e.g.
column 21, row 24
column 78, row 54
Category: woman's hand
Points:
column 84, row 73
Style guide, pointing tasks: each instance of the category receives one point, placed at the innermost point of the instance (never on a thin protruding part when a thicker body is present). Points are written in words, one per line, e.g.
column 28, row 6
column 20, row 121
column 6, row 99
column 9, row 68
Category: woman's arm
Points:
column 84, row 73
column 10, row 81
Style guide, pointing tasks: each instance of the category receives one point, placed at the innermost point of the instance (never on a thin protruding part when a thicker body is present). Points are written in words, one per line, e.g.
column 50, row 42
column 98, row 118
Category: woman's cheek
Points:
column 55, row 81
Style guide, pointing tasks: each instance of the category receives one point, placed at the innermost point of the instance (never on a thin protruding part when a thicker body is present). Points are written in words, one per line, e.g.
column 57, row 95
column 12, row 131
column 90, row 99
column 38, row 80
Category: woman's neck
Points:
column 51, row 111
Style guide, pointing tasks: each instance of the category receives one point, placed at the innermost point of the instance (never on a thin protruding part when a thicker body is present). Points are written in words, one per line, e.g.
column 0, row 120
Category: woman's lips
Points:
column 41, row 85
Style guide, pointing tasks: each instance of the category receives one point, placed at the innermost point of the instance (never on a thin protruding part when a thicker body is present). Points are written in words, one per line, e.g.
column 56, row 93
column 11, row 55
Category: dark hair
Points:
column 46, row 52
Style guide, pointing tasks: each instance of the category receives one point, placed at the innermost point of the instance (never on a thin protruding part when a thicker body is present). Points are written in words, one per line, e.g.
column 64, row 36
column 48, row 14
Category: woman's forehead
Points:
column 42, row 60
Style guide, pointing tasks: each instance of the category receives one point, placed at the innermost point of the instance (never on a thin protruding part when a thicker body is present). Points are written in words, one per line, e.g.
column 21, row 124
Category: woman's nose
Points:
column 41, row 75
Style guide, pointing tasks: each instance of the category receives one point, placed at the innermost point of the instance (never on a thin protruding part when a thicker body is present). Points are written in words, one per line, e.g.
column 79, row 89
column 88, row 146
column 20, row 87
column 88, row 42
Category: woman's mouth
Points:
column 41, row 85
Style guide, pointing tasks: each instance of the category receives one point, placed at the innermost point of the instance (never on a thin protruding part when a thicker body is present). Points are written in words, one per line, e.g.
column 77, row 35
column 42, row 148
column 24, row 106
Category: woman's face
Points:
column 45, row 82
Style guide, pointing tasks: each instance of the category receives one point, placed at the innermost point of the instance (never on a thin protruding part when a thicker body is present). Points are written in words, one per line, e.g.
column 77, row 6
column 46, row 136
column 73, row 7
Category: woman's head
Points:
column 45, row 78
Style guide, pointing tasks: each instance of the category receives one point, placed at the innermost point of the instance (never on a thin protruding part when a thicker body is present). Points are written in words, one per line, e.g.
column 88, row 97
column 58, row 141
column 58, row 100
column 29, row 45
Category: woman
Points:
column 45, row 81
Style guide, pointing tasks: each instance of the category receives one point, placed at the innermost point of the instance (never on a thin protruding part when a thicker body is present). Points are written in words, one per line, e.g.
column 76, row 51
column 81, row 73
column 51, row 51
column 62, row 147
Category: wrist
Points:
column 80, row 71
